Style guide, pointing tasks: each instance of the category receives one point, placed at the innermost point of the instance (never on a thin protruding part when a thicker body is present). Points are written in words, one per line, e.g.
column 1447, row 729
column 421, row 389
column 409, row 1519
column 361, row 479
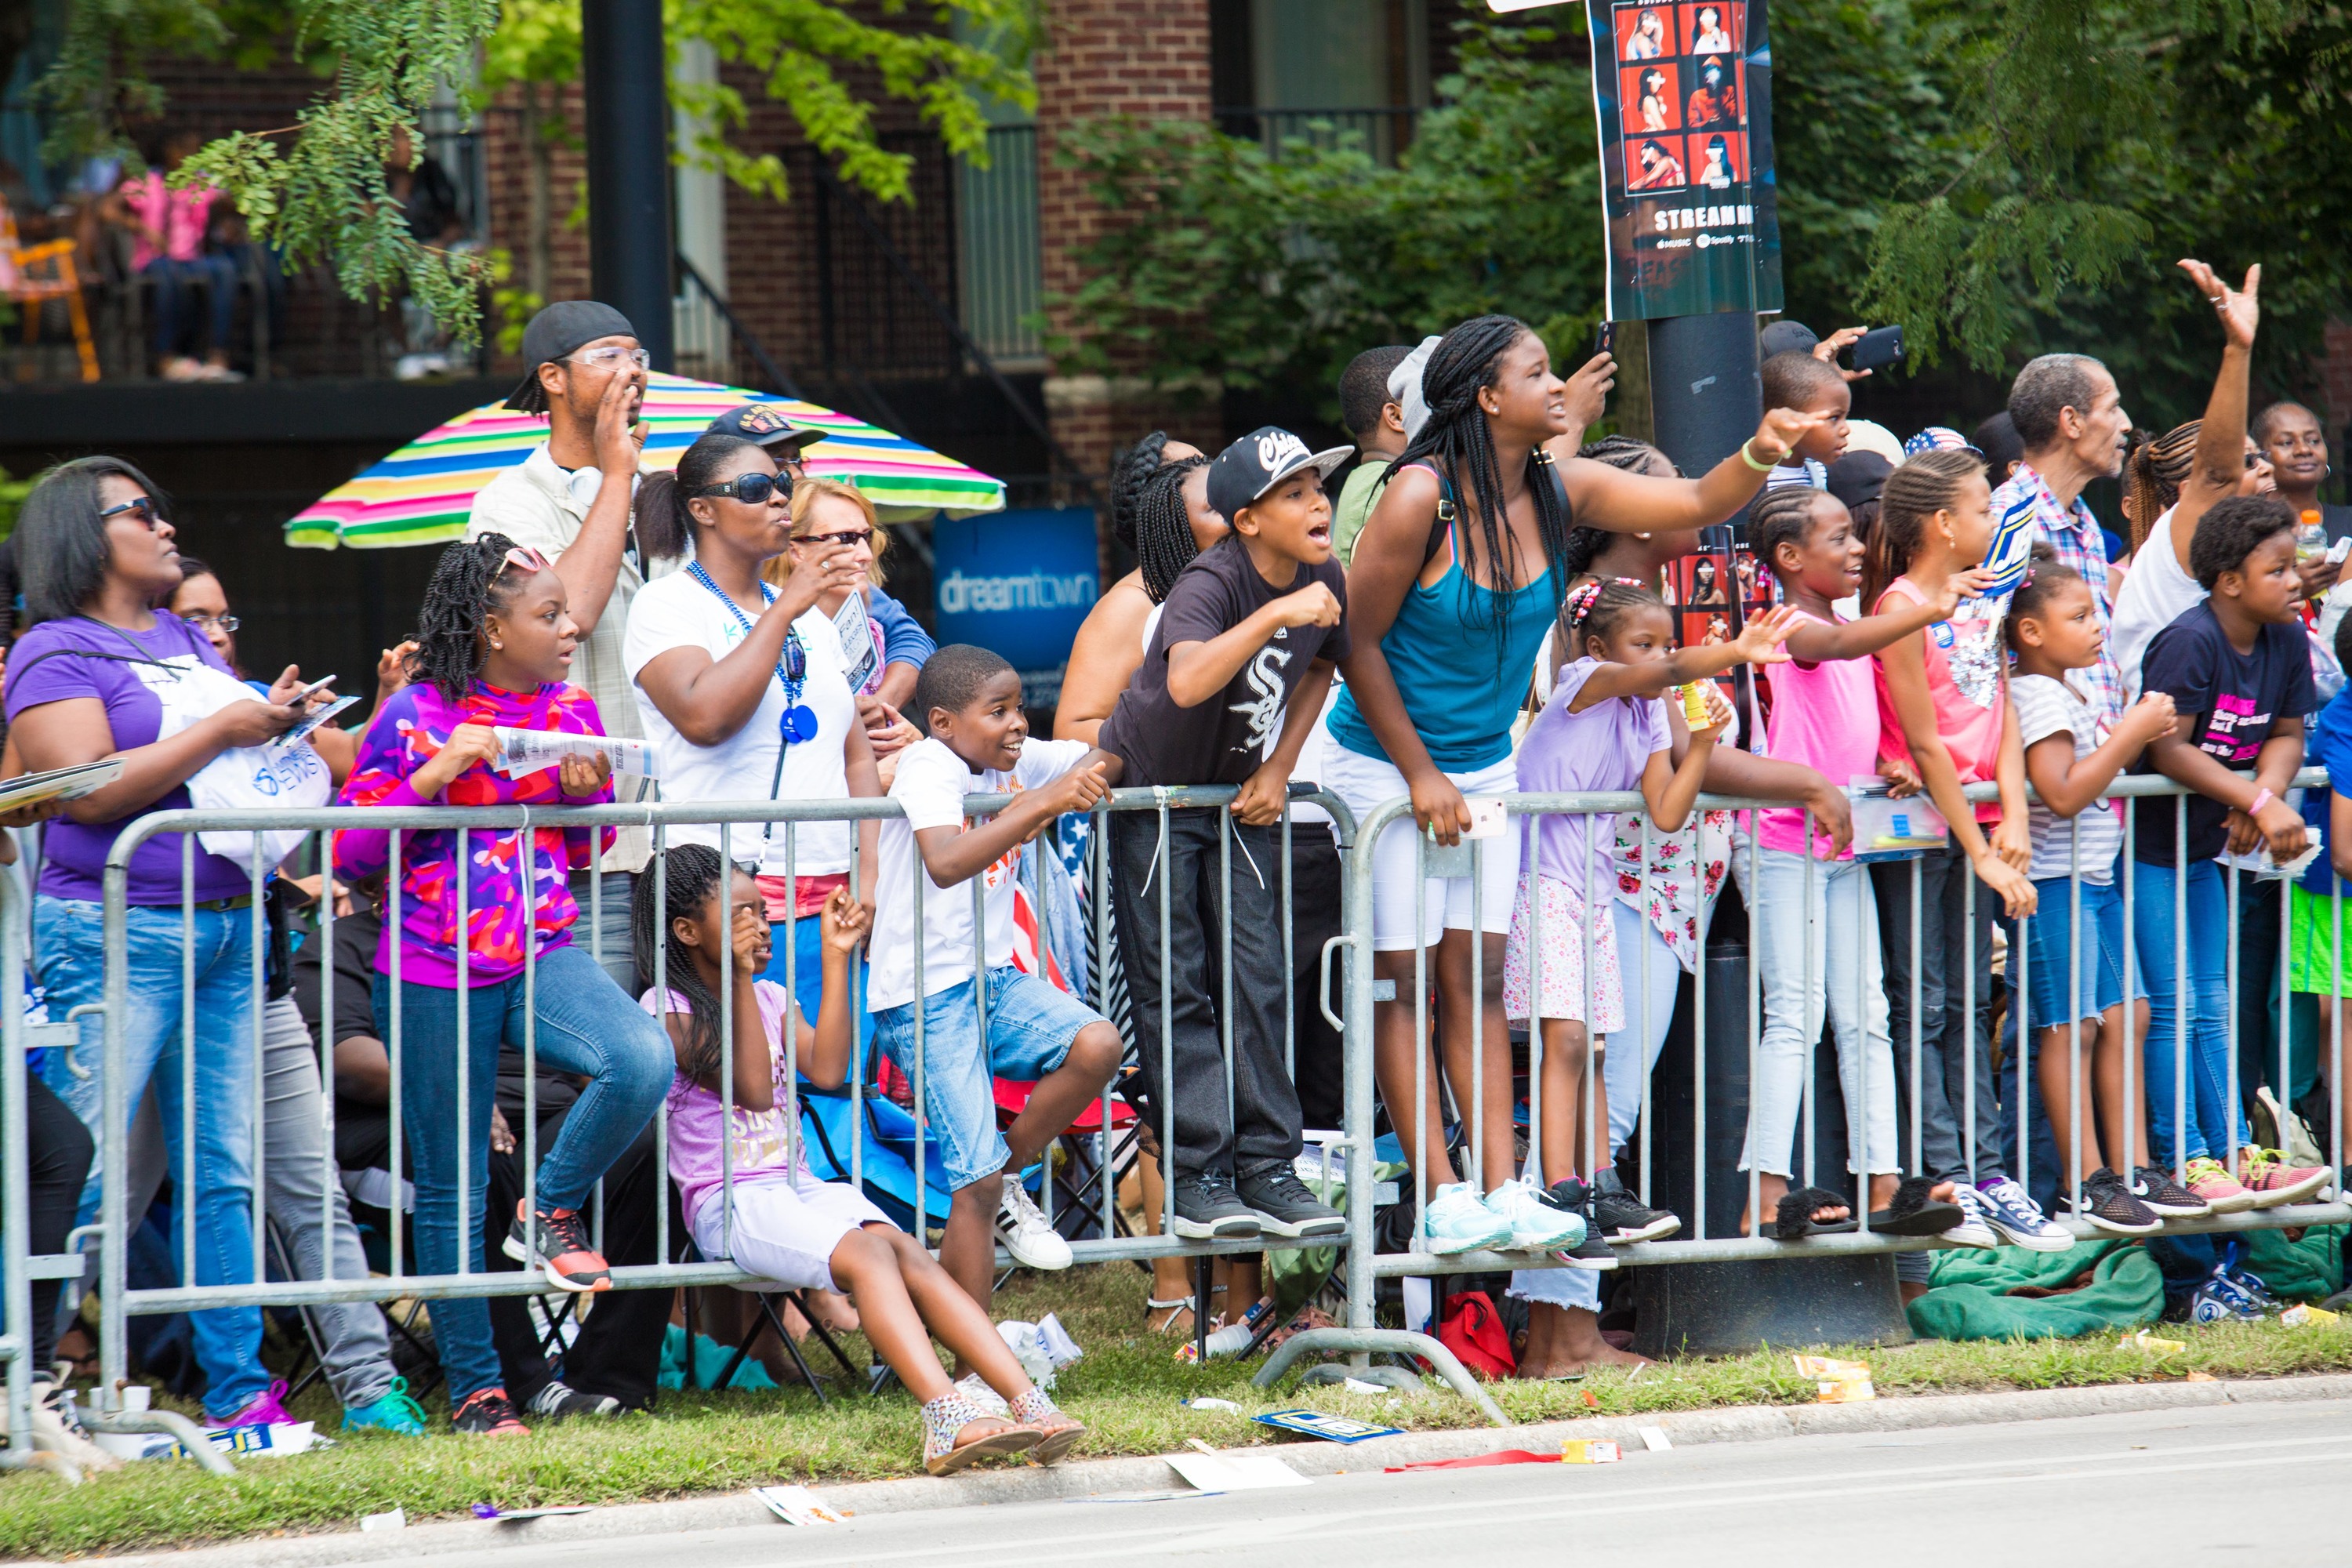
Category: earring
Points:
column 497, row 646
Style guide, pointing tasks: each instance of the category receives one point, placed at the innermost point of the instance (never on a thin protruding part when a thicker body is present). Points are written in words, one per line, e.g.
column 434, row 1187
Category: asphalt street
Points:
column 2239, row 1483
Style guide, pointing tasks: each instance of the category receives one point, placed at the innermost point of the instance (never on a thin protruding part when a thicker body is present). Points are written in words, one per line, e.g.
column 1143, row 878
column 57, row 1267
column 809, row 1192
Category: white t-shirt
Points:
column 2044, row 708
column 930, row 785
column 2156, row 593
column 678, row 611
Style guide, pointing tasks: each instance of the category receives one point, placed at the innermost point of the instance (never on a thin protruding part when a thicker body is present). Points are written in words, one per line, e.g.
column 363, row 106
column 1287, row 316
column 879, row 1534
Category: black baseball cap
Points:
column 1260, row 460
column 768, row 425
column 1783, row 336
column 555, row 332
column 1859, row 477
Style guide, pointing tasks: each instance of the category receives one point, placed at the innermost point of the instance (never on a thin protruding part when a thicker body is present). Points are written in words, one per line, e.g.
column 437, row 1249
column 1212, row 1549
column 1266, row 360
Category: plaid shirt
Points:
column 2074, row 532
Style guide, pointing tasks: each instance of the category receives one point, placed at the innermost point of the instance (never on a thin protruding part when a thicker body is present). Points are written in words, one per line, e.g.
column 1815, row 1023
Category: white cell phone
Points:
column 314, row 687
column 1487, row 819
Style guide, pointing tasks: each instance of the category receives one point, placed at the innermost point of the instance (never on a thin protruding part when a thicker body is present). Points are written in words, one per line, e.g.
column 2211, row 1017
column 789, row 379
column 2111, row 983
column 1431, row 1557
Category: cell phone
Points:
column 304, row 695
column 1879, row 348
column 1604, row 338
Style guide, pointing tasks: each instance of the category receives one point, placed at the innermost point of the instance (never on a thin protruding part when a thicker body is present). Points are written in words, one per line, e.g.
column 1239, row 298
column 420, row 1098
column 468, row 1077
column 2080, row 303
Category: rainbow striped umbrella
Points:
column 423, row 493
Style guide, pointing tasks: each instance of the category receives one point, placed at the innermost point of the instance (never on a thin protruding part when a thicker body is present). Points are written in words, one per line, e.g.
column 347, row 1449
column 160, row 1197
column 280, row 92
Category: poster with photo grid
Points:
column 1683, row 102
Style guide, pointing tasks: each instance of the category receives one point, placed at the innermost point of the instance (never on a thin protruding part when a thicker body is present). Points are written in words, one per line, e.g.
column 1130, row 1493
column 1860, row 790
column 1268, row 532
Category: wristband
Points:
column 2262, row 798
column 1748, row 458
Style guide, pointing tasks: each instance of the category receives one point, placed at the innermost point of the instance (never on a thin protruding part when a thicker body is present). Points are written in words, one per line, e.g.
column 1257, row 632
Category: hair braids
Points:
column 1782, row 515
column 1130, row 471
column 2158, row 466
column 1595, row 609
column 465, row 589
column 1164, row 541
column 1458, row 439
column 687, row 882
column 1921, row 488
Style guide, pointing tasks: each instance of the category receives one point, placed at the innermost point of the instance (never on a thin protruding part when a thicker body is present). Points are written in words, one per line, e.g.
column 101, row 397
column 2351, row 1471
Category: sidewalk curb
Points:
column 1739, row 1423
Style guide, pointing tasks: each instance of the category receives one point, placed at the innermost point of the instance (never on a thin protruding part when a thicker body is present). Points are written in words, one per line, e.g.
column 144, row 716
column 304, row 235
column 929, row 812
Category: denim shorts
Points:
column 2052, row 998
column 1030, row 1028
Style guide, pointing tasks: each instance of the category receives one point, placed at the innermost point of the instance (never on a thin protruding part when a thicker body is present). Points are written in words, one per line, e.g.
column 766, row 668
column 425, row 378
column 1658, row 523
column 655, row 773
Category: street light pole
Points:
column 623, row 73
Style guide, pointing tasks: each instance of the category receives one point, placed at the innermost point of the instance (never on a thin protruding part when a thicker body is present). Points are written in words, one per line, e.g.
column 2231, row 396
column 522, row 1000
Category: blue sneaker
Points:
column 2006, row 1209
column 1531, row 1224
column 2224, row 1298
column 395, row 1413
column 1457, row 1221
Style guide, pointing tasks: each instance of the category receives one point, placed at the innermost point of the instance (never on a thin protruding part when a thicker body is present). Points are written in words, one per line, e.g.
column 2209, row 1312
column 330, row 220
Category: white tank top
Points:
column 2157, row 592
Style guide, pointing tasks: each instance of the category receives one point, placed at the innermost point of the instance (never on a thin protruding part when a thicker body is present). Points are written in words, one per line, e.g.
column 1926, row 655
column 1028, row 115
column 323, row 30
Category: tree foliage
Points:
column 317, row 188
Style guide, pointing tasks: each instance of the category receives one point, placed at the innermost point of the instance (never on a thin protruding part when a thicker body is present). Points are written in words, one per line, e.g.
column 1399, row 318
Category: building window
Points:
column 1003, row 275
column 1332, row 72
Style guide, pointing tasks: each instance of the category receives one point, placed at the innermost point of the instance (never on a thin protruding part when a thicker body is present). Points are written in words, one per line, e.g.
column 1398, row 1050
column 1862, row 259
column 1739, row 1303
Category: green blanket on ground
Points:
column 1973, row 1290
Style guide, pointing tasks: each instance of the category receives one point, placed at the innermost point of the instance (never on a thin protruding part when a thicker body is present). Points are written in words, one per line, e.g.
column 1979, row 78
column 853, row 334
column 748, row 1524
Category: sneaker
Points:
column 2223, row 1297
column 1619, row 1217
column 1572, row 1197
column 1972, row 1230
column 559, row 1399
column 2166, row 1196
column 1536, row 1223
column 2210, row 1180
column 1285, row 1205
column 2266, row 1174
column 55, row 1433
column 489, row 1412
column 1208, row 1209
column 1457, row 1221
column 394, row 1411
column 2112, row 1206
column 1025, row 1232
column 263, row 1411
column 974, row 1387
column 557, row 1240
column 2016, row 1216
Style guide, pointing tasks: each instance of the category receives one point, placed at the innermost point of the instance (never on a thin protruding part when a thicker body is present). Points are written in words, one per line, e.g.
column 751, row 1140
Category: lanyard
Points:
column 798, row 725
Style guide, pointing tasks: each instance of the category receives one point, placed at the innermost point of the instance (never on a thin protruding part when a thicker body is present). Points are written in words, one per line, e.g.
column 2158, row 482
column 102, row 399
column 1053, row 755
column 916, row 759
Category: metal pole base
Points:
column 191, row 1436
column 1394, row 1377
column 1397, row 1340
column 1730, row 1308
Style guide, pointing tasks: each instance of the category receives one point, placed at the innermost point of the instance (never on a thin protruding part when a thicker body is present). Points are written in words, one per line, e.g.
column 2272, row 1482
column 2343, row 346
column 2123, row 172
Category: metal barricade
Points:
column 735, row 823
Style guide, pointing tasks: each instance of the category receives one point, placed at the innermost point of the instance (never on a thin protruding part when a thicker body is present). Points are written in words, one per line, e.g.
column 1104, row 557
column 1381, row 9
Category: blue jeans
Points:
column 2207, row 1124
column 1030, row 1026
column 586, row 1025
column 175, row 282
column 68, row 947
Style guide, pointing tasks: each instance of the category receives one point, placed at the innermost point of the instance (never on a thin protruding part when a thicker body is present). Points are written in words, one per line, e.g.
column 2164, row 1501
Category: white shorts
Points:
column 786, row 1227
column 1442, row 903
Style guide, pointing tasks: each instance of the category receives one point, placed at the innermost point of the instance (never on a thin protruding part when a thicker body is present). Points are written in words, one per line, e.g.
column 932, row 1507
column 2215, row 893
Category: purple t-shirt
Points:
column 1603, row 748
column 59, row 660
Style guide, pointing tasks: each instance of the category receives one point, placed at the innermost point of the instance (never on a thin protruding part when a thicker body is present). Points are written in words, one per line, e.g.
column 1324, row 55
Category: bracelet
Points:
column 2262, row 798
column 1749, row 460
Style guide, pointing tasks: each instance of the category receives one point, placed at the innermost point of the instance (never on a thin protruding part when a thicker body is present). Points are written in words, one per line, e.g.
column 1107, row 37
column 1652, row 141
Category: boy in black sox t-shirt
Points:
column 2238, row 670
column 1231, row 682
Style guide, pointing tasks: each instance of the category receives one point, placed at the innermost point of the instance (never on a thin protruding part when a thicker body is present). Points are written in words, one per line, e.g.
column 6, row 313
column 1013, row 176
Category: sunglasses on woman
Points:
column 752, row 489
column 144, row 507
column 844, row 540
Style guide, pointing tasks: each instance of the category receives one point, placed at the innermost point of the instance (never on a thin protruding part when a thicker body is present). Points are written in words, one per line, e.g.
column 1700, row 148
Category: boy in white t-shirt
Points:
column 978, row 743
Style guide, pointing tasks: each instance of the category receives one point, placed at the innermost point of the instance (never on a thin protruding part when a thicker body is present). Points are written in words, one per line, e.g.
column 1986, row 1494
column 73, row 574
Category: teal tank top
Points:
column 1442, row 650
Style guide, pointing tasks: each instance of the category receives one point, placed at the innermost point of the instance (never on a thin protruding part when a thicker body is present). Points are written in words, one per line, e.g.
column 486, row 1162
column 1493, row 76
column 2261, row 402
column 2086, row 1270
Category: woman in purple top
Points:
column 494, row 651
column 102, row 674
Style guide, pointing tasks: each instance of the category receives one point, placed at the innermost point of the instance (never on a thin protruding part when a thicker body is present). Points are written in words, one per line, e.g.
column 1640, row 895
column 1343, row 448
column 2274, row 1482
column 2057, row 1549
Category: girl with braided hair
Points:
column 1457, row 579
column 776, row 1219
column 494, row 649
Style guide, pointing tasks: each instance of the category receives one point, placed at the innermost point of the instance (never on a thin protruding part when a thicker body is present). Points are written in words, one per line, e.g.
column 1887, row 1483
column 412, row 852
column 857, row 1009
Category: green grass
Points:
column 1126, row 1389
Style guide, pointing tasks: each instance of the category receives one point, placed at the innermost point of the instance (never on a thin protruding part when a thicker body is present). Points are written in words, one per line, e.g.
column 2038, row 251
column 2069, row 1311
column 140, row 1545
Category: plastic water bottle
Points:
column 2310, row 536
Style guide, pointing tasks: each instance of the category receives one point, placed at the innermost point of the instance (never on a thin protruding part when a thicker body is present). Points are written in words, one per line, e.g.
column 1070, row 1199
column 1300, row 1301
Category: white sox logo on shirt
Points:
column 1264, row 711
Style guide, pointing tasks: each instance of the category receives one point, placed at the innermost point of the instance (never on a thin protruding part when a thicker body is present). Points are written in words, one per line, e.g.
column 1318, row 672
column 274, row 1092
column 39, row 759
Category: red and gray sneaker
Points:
column 557, row 1240
column 489, row 1412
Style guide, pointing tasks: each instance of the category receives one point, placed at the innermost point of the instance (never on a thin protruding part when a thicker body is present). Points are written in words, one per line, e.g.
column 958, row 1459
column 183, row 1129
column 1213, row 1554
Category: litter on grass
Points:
column 1589, row 1451
column 2308, row 1316
column 1358, row 1385
column 1837, row 1381
column 397, row 1519
column 273, row 1440
column 1211, row 1471
column 1204, row 1403
column 797, row 1505
column 1042, row 1348
column 1331, row 1428
column 2149, row 1344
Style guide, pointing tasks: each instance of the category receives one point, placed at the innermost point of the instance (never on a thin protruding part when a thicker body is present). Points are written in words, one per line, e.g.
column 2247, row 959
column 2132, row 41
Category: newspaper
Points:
column 57, row 783
column 858, row 653
column 309, row 721
column 530, row 750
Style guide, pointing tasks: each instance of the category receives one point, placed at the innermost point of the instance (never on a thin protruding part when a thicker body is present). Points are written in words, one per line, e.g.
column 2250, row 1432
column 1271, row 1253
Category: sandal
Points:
column 1174, row 1309
column 946, row 1418
column 1036, row 1408
column 1911, row 1212
column 1793, row 1220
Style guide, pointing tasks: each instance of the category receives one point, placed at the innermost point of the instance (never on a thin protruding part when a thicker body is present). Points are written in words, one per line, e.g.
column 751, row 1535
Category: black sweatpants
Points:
column 57, row 1158
column 1317, row 1059
column 1261, row 1120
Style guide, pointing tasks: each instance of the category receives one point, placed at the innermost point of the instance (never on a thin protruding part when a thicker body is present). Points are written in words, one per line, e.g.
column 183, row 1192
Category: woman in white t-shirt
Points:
column 741, row 686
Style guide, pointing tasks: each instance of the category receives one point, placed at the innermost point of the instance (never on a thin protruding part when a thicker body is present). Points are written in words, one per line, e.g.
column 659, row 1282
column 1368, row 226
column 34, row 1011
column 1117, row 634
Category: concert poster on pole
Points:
column 1682, row 92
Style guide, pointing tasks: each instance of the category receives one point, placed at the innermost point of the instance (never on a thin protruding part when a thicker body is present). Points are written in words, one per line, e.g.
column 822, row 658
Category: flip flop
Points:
column 1793, row 1220
column 1913, row 1213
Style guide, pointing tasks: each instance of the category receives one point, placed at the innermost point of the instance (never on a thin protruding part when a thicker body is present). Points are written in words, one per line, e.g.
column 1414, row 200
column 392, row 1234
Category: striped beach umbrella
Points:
column 423, row 493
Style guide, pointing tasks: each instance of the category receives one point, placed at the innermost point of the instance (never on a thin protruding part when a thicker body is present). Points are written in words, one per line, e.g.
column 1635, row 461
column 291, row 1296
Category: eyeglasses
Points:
column 144, row 507
column 613, row 357
column 2253, row 459
column 752, row 490
column 214, row 622
column 523, row 558
column 844, row 540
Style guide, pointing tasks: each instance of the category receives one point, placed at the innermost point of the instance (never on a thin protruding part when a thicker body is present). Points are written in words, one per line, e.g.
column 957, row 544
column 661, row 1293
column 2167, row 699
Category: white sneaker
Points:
column 1536, row 1226
column 51, row 1433
column 1022, row 1228
column 974, row 1387
column 1457, row 1221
